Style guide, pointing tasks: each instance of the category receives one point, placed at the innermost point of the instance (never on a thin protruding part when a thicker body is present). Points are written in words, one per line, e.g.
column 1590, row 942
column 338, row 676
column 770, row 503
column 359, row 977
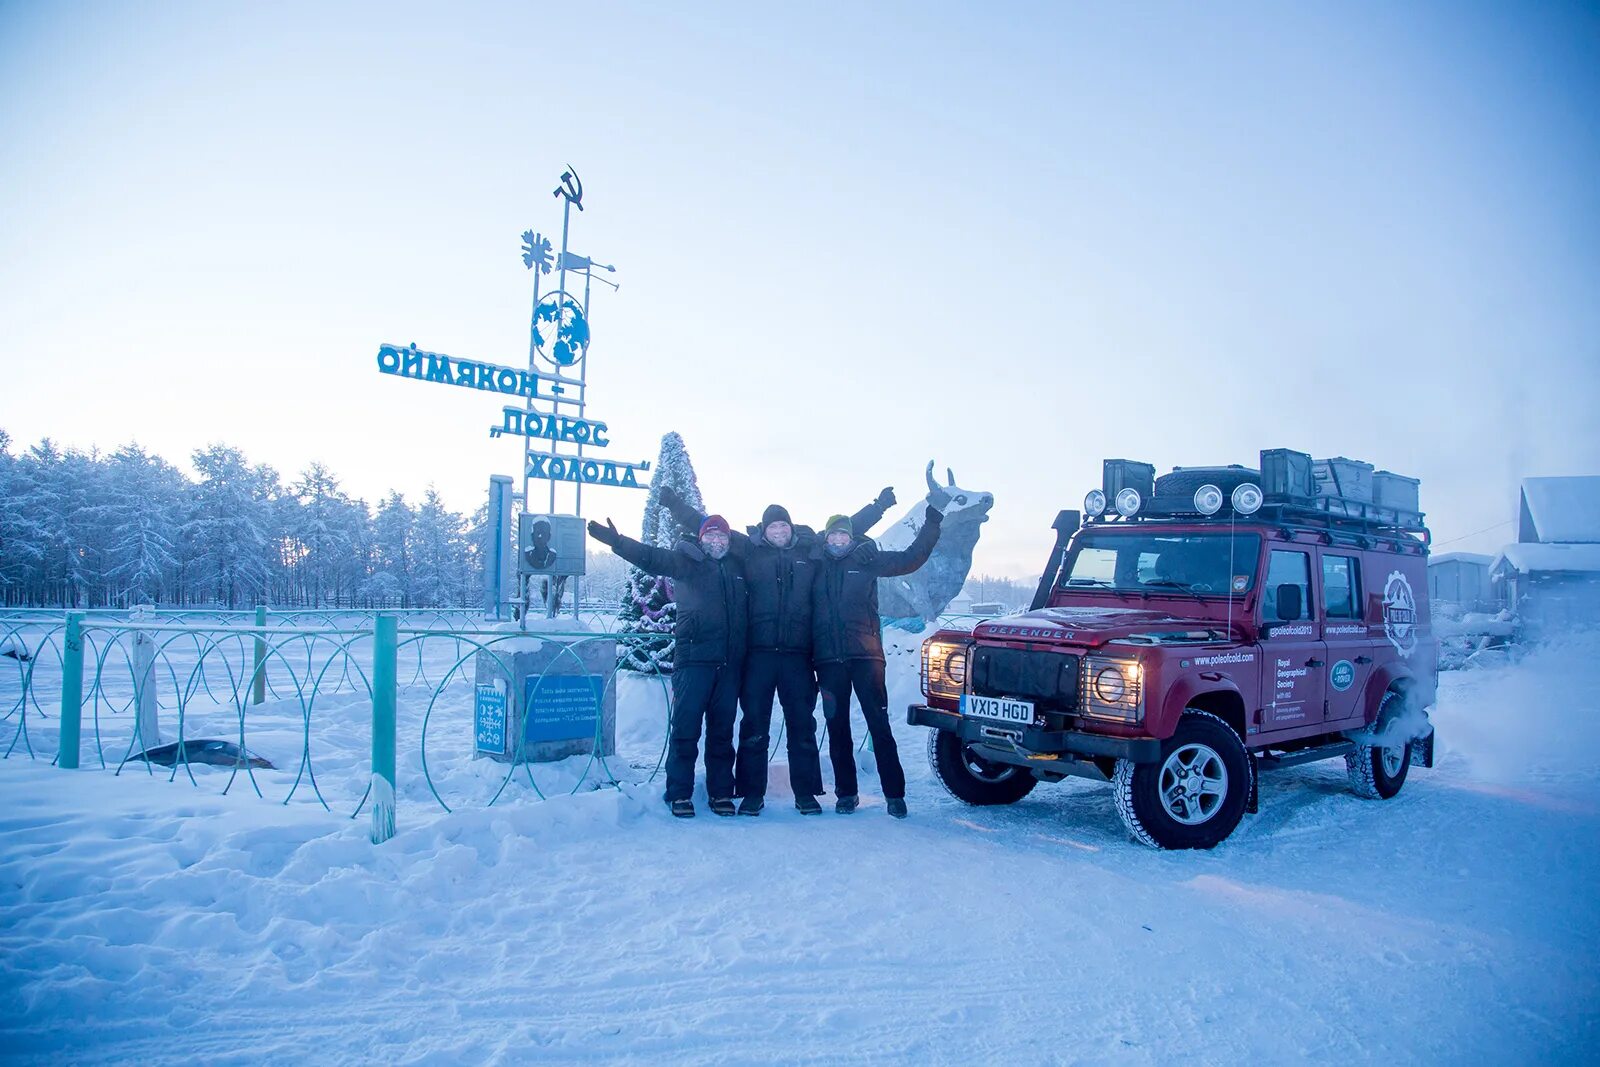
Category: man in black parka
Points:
column 708, row 585
column 779, row 561
column 847, row 645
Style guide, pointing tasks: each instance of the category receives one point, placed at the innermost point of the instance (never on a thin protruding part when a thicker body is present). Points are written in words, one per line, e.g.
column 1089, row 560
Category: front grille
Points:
column 1049, row 679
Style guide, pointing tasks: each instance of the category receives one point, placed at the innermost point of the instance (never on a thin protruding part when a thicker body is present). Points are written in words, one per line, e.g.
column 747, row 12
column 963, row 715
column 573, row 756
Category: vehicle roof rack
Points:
column 1336, row 495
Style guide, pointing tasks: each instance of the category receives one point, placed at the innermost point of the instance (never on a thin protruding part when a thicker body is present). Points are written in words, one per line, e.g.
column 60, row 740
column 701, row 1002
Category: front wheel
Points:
column 969, row 777
column 1195, row 794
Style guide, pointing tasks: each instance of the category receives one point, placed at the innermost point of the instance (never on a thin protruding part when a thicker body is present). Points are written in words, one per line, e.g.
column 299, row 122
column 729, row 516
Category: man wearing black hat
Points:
column 848, row 647
column 779, row 563
column 707, row 657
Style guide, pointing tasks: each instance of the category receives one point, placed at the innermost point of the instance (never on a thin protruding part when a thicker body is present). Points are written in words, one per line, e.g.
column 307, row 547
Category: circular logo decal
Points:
column 1343, row 675
column 1400, row 614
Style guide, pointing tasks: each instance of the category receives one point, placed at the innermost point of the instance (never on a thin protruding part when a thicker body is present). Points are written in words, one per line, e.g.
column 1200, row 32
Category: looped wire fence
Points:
column 320, row 706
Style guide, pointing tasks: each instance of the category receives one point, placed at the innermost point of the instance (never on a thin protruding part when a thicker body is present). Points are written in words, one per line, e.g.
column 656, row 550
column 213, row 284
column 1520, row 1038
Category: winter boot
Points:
column 897, row 807
column 682, row 809
column 751, row 805
column 807, row 805
column 847, row 805
column 722, row 806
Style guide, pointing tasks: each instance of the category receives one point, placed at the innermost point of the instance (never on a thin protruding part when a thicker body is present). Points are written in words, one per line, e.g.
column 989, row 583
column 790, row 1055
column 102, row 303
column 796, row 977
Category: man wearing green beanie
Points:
column 847, row 646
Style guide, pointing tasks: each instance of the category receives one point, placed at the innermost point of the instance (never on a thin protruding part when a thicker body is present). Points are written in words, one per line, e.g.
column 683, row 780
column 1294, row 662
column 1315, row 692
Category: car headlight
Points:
column 1109, row 685
column 1113, row 689
column 944, row 668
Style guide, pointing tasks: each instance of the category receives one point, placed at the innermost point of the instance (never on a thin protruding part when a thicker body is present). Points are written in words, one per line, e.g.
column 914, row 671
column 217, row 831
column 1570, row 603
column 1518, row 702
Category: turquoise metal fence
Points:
column 352, row 711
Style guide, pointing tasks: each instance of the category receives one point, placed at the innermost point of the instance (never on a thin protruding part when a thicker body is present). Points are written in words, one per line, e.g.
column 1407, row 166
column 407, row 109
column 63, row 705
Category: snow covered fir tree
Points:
column 647, row 605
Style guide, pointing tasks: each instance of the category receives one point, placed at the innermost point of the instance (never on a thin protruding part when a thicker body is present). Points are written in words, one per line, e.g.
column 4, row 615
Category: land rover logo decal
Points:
column 1343, row 675
column 1400, row 614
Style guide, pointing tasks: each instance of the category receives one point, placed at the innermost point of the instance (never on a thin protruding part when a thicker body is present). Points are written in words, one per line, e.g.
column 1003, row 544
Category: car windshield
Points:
column 1206, row 564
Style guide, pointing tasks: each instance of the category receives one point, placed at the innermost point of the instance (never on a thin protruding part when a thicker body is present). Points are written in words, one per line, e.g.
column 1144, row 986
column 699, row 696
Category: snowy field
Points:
column 157, row 921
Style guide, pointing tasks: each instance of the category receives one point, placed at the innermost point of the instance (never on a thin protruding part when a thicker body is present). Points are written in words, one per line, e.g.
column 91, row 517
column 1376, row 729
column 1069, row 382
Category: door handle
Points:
column 1363, row 660
column 1313, row 663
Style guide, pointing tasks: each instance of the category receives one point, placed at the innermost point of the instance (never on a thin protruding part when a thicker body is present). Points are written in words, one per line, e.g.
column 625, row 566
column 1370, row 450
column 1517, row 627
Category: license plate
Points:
column 1003, row 708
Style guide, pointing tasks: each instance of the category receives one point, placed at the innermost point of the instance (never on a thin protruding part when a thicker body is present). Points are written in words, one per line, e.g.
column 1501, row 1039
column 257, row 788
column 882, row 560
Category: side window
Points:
column 1341, row 591
column 1287, row 568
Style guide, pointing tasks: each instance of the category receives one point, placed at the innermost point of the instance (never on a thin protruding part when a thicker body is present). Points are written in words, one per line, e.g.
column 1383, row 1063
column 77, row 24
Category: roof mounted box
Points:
column 1120, row 474
column 1287, row 474
column 1346, row 479
column 1395, row 490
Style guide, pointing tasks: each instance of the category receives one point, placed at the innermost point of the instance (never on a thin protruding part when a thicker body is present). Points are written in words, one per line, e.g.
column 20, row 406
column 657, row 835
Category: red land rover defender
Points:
column 1197, row 628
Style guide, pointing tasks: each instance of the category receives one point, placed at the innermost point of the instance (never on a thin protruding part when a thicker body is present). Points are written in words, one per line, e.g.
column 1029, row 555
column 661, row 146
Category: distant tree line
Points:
column 89, row 529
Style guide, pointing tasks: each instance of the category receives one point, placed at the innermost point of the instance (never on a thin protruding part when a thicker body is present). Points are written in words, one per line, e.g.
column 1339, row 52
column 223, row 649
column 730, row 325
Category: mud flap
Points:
column 1422, row 750
column 1252, row 803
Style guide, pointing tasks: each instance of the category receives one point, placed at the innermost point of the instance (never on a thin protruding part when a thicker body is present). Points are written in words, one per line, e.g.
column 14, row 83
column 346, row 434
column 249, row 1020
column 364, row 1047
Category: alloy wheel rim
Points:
column 1392, row 759
column 983, row 770
column 1193, row 784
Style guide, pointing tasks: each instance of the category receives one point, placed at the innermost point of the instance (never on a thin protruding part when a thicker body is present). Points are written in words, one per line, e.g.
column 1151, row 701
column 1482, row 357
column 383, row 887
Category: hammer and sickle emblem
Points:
column 571, row 187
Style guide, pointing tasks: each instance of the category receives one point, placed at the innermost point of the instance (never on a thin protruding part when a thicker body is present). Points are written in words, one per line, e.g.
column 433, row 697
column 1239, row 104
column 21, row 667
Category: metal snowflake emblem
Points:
column 535, row 250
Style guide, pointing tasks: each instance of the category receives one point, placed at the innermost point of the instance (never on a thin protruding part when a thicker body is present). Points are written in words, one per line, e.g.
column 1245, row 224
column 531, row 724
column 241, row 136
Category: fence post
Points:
column 71, row 693
column 258, row 692
column 385, row 656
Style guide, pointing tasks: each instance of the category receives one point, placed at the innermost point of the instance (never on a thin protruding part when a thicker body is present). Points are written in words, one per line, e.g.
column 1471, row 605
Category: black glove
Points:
column 886, row 498
column 607, row 535
column 934, row 516
column 938, row 497
column 670, row 498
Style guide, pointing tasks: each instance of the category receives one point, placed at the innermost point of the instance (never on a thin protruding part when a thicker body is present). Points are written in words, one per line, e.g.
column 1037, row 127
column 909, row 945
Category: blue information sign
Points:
column 563, row 707
column 489, row 716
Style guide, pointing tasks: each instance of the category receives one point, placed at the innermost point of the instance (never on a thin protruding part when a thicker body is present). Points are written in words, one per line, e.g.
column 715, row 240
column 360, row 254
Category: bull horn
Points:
column 933, row 486
column 948, row 473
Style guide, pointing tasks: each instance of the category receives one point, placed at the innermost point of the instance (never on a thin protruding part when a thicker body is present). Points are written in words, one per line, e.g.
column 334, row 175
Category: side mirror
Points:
column 1289, row 602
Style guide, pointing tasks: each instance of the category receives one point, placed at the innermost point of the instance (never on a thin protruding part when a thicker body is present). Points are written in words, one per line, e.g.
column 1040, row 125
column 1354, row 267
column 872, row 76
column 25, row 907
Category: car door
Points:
column 1344, row 632
column 1293, row 655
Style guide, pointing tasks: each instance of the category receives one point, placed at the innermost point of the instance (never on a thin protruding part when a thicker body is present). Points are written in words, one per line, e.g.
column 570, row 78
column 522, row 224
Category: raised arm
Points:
column 869, row 516
column 687, row 515
column 916, row 554
column 648, row 558
column 690, row 518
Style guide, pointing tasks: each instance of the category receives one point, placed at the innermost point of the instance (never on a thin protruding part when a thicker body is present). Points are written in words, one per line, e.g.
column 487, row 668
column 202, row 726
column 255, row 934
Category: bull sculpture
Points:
column 913, row 601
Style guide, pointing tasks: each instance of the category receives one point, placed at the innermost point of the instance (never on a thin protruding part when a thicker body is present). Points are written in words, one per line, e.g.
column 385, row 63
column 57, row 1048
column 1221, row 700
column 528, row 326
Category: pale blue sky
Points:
column 1012, row 238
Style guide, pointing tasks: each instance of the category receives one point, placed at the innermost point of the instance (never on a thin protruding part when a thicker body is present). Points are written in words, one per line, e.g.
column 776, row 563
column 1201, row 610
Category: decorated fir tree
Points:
column 647, row 605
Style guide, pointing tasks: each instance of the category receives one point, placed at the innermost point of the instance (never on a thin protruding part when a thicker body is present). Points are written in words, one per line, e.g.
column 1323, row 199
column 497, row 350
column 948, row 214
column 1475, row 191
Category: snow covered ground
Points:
column 159, row 922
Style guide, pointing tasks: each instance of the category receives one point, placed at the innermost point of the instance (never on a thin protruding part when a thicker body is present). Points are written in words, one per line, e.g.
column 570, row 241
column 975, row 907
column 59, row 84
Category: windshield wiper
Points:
column 1169, row 583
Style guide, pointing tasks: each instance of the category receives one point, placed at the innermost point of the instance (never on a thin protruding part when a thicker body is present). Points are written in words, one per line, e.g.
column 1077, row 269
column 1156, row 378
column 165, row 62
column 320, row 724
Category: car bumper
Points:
column 1032, row 739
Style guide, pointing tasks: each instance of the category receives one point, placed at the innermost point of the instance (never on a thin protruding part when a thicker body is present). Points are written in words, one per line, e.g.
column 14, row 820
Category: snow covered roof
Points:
column 1460, row 557
column 1562, row 509
column 1533, row 559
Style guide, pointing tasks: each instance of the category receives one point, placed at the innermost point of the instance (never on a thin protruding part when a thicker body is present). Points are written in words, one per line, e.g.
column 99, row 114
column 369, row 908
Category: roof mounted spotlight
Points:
column 1208, row 500
column 1128, row 502
column 1247, row 498
column 1094, row 505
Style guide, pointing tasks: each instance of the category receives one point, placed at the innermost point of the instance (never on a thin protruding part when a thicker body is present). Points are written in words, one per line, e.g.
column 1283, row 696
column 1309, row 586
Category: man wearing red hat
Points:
column 708, row 654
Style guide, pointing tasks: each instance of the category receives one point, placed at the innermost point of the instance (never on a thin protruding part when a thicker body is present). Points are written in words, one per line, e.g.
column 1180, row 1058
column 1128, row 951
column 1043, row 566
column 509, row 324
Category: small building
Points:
column 1551, row 576
column 1458, row 583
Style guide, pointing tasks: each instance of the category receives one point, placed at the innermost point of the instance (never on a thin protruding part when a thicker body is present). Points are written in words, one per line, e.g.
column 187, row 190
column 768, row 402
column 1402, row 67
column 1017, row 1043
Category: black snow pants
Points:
column 709, row 693
column 865, row 676
column 789, row 676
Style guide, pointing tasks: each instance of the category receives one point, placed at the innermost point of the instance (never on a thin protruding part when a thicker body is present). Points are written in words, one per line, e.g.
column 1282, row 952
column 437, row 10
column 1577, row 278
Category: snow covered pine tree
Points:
column 647, row 605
